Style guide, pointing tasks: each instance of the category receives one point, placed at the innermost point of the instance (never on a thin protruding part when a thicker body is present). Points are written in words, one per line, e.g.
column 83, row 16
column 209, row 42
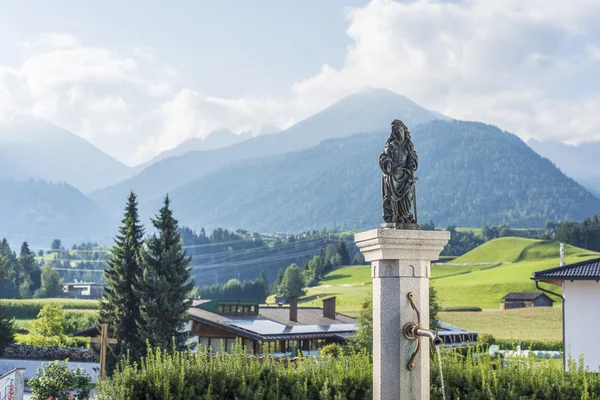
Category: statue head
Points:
column 399, row 130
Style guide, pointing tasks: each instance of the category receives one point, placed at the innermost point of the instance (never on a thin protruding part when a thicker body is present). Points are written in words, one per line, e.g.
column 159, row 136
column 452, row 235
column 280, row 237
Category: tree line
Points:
column 23, row 278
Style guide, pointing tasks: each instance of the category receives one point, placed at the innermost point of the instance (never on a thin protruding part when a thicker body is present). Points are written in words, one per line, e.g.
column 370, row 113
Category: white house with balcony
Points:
column 580, row 283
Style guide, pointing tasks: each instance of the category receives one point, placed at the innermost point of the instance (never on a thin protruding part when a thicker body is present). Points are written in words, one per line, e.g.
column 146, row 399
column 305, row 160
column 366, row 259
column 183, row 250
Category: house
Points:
column 580, row 284
column 525, row 300
column 278, row 330
column 83, row 290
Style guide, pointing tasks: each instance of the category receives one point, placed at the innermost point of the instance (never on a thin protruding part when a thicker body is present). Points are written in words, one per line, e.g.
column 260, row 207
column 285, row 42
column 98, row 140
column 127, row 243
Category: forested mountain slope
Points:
column 470, row 174
column 366, row 111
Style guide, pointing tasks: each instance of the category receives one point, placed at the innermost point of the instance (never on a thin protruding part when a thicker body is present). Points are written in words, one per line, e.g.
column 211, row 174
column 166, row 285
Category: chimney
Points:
column 329, row 308
column 294, row 308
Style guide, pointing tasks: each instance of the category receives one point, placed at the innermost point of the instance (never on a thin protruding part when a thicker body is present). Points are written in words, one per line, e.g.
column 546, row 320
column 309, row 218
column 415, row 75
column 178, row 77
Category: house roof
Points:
column 583, row 270
column 523, row 296
column 273, row 323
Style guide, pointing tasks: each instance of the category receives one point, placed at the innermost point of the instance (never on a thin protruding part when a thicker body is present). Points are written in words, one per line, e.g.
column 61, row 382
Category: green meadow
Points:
column 496, row 268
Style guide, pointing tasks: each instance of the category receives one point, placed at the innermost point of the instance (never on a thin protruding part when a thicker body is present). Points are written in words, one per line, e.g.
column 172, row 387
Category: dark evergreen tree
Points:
column 165, row 284
column 28, row 268
column 343, row 252
column 120, row 305
column 7, row 327
column 10, row 269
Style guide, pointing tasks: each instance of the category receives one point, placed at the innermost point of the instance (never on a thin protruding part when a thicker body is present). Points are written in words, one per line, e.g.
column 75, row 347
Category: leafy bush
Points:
column 29, row 309
column 333, row 350
column 470, row 378
column 55, row 380
column 50, row 321
column 462, row 309
column 52, row 341
column 237, row 376
column 76, row 321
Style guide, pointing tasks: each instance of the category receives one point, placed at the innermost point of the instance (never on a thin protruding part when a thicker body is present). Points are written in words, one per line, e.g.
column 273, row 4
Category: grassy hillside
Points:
column 479, row 285
column 505, row 249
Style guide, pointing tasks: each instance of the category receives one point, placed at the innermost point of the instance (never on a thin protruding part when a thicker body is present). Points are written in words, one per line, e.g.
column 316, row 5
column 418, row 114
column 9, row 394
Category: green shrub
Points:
column 486, row 338
column 50, row 321
column 333, row 350
column 76, row 321
column 52, row 341
column 56, row 381
column 507, row 344
column 462, row 309
column 237, row 376
column 29, row 309
column 470, row 378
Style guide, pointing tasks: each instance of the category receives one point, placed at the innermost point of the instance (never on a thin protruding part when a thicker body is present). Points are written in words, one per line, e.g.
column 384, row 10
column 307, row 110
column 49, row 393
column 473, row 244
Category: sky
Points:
column 137, row 78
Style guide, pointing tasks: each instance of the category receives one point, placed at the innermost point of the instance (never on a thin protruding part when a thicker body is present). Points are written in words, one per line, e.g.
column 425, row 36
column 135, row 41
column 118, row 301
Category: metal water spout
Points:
column 415, row 331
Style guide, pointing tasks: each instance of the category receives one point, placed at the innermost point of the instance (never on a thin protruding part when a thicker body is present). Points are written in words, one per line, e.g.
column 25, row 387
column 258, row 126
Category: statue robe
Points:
column 398, row 165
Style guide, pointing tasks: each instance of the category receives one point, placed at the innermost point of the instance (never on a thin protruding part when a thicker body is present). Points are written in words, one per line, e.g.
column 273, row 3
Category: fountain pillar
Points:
column 400, row 264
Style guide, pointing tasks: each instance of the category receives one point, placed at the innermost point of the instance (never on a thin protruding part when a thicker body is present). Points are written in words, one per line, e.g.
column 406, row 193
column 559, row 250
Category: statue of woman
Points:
column 398, row 163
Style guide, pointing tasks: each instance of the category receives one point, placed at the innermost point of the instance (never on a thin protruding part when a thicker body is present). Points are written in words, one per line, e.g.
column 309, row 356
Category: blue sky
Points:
column 226, row 48
column 136, row 78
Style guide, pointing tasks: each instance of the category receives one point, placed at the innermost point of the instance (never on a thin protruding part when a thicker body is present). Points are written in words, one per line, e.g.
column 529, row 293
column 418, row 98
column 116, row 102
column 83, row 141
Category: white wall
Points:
column 582, row 321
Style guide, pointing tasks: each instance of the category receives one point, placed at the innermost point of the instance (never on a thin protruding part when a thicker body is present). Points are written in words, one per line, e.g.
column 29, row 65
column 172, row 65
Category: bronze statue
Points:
column 398, row 163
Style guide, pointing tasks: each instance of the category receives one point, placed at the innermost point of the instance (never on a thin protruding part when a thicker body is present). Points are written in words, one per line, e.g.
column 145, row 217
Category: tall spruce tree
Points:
column 120, row 305
column 28, row 267
column 165, row 284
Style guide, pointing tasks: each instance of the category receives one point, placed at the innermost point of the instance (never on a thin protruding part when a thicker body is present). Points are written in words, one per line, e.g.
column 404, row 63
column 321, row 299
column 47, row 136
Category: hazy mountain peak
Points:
column 268, row 129
column 215, row 140
column 36, row 149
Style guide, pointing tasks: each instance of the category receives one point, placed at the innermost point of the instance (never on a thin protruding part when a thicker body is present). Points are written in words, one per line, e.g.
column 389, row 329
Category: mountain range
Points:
column 364, row 112
column 35, row 149
column 215, row 140
column 580, row 162
column 323, row 171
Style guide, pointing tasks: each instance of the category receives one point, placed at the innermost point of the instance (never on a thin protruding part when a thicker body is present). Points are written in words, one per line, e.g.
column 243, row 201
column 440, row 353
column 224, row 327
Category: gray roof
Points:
column 527, row 296
column 273, row 323
column 583, row 270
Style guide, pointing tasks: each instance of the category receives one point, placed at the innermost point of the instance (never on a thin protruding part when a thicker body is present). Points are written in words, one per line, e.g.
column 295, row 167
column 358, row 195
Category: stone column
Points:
column 400, row 264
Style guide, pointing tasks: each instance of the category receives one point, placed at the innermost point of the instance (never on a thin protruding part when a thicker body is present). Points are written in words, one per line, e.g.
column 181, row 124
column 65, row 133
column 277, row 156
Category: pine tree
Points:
column 28, row 267
column 165, row 284
column 120, row 303
column 10, row 266
column 7, row 326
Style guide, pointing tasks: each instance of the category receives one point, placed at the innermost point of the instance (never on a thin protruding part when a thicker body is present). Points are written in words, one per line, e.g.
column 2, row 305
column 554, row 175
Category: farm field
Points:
column 540, row 323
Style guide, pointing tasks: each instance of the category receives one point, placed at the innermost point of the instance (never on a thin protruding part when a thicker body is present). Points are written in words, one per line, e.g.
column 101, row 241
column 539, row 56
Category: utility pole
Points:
column 562, row 254
column 216, row 277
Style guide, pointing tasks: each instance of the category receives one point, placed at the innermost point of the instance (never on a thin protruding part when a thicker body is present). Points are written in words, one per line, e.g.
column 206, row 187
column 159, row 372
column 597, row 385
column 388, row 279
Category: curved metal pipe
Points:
column 433, row 335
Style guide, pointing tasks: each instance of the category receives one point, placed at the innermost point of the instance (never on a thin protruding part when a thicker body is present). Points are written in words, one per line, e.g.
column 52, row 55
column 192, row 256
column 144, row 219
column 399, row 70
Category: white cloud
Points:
column 497, row 61
column 522, row 65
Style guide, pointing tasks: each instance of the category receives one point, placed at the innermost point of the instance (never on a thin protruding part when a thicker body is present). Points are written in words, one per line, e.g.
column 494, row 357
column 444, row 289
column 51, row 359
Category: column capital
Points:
column 399, row 244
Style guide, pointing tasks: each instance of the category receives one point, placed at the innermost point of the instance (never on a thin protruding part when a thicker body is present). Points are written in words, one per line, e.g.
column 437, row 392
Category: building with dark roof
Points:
column 525, row 300
column 580, row 284
column 280, row 330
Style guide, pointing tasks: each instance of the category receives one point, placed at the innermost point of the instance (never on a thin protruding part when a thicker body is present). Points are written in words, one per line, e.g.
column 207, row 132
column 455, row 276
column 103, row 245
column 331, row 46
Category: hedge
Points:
column 239, row 376
column 482, row 378
column 462, row 309
column 29, row 309
column 53, row 341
